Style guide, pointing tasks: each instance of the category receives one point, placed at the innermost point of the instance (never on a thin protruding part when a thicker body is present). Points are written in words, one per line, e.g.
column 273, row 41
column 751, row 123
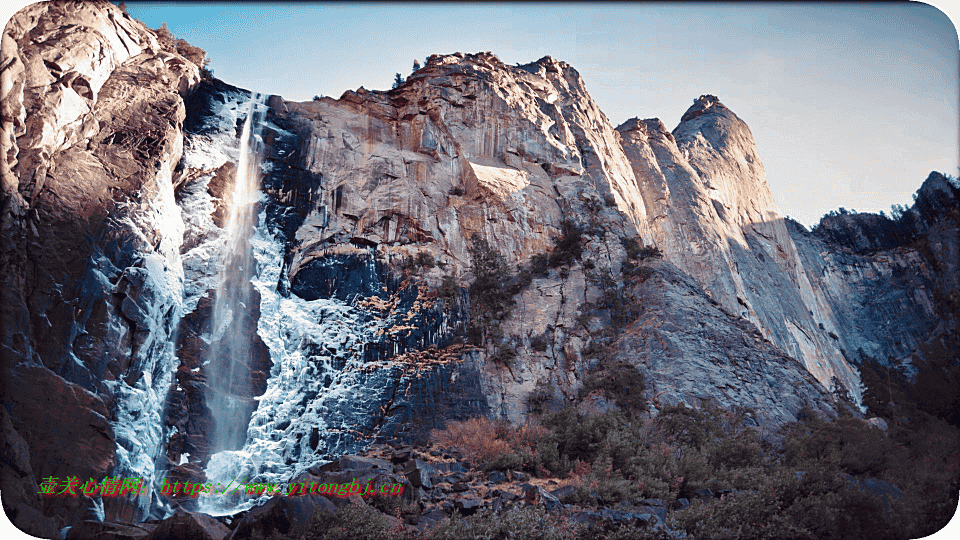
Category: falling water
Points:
column 229, row 356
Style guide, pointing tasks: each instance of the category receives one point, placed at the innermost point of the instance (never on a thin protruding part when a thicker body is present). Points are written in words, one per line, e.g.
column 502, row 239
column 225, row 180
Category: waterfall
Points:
column 229, row 357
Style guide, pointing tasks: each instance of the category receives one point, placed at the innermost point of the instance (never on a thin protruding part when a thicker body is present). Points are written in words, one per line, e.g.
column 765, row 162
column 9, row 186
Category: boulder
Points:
column 283, row 515
column 189, row 525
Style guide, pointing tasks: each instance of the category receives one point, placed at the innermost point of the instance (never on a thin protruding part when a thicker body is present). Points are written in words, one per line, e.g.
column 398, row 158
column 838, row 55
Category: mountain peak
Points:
column 703, row 105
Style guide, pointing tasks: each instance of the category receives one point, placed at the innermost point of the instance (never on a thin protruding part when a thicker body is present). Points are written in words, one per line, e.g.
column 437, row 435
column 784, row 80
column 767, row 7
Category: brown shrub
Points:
column 477, row 438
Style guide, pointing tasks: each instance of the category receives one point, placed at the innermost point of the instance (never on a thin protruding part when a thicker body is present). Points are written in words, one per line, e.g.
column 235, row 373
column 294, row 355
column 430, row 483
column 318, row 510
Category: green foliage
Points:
column 540, row 264
column 541, row 396
column 568, row 246
column 514, row 523
column 637, row 253
column 397, row 80
column 505, row 355
column 620, row 382
column 490, row 299
column 180, row 46
column 847, row 443
column 416, row 65
column 421, row 261
column 539, row 342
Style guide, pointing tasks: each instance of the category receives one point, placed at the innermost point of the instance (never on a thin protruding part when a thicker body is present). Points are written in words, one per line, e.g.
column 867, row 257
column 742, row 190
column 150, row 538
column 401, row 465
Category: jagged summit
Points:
column 702, row 105
column 649, row 127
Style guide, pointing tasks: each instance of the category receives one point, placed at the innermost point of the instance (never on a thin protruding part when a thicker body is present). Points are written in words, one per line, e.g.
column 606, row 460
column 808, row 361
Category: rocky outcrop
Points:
column 92, row 114
column 712, row 214
column 896, row 294
column 696, row 350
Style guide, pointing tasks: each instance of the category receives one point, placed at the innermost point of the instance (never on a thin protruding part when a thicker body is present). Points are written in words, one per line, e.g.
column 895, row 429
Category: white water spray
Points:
column 229, row 357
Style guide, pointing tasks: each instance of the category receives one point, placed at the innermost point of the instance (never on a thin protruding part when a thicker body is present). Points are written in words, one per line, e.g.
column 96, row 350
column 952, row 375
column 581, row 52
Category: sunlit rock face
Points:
column 91, row 233
column 711, row 212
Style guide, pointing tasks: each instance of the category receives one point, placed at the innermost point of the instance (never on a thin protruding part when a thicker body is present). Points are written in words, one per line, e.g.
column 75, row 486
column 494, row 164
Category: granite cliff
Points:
column 117, row 169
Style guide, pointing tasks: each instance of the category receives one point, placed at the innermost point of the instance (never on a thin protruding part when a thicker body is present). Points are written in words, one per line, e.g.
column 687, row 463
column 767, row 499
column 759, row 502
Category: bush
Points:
column 351, row 522
column 539, row 342
column 505, row 355
column 621, row 382
column 456, row 190
column 514, row 523
column 480, row 439
column 540, row 264
column 568, row 246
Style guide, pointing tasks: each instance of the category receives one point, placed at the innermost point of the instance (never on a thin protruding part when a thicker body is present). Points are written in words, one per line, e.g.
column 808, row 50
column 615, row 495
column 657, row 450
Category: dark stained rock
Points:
column 468, row 506
column 402, row 454
column 358, row 463
column 496, row 477
column 419, row 473
column 108, row 530
column 67, row 430
column 189, row 525
column 284, row 515
column 565, row 494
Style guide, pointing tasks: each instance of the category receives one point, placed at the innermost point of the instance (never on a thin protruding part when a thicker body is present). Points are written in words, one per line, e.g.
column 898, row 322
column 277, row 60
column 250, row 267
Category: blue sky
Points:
column 850, row 104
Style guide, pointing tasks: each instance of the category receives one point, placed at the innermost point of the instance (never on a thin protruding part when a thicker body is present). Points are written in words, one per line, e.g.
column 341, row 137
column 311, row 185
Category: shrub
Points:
column 490, row 299
column 539, row 342
column 540, row 264
column 541, row 396
column 478, row 438
column 515, row 522
column 568, row 246
column 621, row 382
column 505, row 355
column 456, row 190
column 350, row 522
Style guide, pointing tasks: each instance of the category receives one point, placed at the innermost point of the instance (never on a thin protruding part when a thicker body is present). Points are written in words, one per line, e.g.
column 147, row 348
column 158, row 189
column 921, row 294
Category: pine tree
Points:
column 397, row 80
column 416, row 65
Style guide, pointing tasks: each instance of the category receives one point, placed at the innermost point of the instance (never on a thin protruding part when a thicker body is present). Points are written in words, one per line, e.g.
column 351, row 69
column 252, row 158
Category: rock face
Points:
column 713, row 216
column 891, row 286
column 92, row 280
column 118, row 168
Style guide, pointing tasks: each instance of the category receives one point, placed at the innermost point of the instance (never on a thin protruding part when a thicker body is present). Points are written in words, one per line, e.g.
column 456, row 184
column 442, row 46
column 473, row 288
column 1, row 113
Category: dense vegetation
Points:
column 814, row 479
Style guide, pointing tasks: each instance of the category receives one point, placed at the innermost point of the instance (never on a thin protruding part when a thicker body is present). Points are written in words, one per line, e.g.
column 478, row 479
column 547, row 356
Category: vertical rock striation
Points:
column 712, row 214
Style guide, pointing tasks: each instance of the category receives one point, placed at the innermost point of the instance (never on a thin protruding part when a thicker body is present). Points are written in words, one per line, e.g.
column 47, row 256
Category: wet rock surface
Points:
column 91, row 291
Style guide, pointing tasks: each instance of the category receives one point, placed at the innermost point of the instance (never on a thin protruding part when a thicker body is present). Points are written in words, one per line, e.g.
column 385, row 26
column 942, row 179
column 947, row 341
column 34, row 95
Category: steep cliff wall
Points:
column 712, row 214
column 92, row 283
column 892, row 285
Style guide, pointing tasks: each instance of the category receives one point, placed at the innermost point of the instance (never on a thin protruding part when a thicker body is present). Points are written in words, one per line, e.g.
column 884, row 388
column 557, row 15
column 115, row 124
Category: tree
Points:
column 416, row 65
column 490, row 296
column 397, row 80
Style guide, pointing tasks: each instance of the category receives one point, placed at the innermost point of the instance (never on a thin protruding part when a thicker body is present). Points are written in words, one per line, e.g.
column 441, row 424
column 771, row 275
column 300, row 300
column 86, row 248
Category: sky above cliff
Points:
column 850, row 104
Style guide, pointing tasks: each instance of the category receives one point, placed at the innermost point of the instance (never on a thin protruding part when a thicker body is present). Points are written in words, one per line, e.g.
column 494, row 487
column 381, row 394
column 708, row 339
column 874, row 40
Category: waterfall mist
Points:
column 230, row 355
